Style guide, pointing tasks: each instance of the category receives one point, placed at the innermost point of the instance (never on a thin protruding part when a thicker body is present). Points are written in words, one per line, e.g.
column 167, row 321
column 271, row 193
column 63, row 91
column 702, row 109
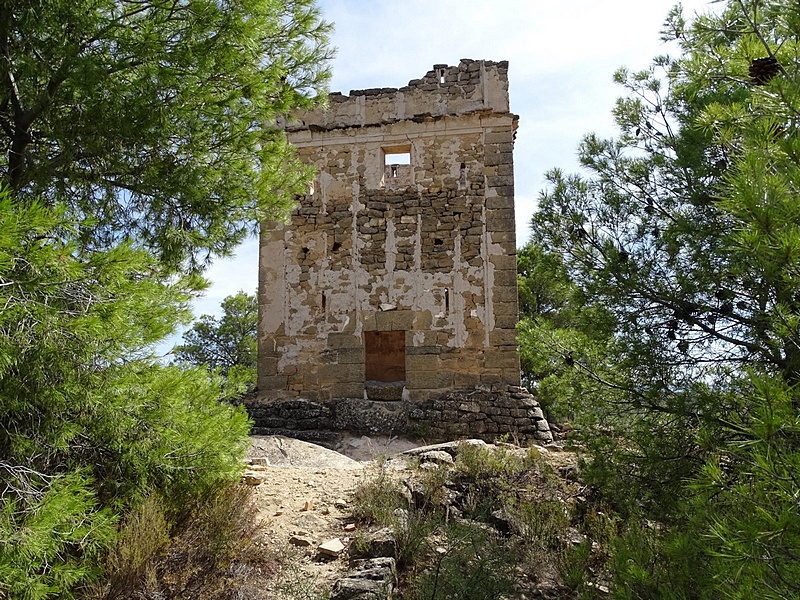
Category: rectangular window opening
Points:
column 396, row 159
column 397, row 170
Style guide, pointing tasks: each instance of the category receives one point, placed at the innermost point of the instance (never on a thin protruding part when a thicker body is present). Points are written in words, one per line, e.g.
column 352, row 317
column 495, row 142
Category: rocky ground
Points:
column 303, row 493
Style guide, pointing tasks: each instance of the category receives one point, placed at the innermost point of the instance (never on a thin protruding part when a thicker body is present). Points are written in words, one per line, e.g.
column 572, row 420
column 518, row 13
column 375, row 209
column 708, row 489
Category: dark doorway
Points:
column 385, row 356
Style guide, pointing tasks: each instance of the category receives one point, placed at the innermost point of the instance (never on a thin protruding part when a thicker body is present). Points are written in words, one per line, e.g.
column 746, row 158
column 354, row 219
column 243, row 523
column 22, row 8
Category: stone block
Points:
column 350, row 356
column 478, row 427
column 422, row 350
column 505, row 278
column 384, row 392
column 503, row 262
column 511, row 376
column 268, row 366
column 505, row 293
column 506, row 308
column 432, row 380
column 498, row 158
column 402, row 320
column 500, row 225
column 491, row 376
column 501, row 360
column 384, row 320
column 500, row 213
column 275, row 382
column 352, row 373
column 462, row 361
column 503, row 236
column 344, row 340
column 506, row 321
column 500, row 202
column 503, row 337
column 422, row 362
column 347, row 390
column 500, row 180
column 463, row 381
column 498, row 137
column 368, row 322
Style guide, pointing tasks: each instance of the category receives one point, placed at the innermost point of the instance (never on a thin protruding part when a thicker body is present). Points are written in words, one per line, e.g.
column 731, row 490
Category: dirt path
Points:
column 305, row 500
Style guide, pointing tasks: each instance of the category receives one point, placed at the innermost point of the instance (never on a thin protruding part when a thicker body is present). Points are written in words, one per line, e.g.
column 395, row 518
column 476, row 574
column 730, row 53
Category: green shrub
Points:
column 90, row 425
column 52, row 534
column 131, row 562
column 464, row 560
column 377, row 497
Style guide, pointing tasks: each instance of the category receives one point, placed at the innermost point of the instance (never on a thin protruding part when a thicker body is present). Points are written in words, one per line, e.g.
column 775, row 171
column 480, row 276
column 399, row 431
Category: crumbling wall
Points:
column 424, row 249
column 388, row 303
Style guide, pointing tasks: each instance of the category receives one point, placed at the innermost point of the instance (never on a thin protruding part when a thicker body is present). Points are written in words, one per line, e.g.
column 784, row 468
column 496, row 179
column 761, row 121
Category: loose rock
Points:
column 332, row 547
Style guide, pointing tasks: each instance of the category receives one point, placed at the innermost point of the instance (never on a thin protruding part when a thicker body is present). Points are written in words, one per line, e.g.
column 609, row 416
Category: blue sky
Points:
column 562, row 56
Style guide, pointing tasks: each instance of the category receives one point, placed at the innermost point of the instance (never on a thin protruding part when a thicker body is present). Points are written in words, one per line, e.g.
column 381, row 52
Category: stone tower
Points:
column 395, row 279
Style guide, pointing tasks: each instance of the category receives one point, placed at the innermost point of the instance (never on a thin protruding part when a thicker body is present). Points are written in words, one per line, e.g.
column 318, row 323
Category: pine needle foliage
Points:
column 685, row 228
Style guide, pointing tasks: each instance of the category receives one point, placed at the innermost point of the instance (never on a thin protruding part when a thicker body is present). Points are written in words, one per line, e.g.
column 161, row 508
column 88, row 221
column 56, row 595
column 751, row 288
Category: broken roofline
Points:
column 469, row 87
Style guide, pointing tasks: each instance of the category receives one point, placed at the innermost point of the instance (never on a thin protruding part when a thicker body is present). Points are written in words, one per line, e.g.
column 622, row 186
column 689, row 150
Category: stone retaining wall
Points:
column 487, row 412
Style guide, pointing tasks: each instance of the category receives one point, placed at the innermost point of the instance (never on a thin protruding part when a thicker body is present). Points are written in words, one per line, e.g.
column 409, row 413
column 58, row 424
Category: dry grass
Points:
column 214, row 553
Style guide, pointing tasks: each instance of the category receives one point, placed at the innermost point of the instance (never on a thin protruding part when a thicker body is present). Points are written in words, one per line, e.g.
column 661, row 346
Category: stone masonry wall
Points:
column 425, row 250
column 486, row 412
column 388, row 303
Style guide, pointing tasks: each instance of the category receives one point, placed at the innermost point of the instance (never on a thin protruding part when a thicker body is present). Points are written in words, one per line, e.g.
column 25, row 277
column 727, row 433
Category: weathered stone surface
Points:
column 366, row 416
column 376, row 544
column 301, row 541
column 333, row 547
column 409, row 228
column 485, row 412
column 373, row 579
column 436, row 456
column 253, row 478
column 287, row 451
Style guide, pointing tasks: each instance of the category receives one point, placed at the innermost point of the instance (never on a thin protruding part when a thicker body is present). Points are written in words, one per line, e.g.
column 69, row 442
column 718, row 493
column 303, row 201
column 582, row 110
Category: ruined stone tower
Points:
column 395, row 280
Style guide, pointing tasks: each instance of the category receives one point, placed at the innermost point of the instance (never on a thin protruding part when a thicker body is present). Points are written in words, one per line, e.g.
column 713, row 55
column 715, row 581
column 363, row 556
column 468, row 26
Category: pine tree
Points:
column 138, row 140
column 227, row 343
column 687, row 231
column 158, row 119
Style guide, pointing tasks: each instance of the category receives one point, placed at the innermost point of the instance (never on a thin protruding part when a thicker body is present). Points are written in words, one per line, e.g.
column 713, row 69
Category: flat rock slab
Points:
column 449, row 447
column 366, row 448
column 373, row 579
column 283, row 451
column 332, row 547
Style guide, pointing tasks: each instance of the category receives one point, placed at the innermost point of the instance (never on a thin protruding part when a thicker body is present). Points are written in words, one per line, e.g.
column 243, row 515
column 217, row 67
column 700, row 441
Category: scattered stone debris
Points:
column 253, row 478
column 284, row 497
column 332, row 547
column 300, row 541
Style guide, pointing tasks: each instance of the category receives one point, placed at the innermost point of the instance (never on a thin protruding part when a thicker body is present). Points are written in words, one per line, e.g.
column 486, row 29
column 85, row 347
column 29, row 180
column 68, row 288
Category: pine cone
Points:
column 763, row 69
